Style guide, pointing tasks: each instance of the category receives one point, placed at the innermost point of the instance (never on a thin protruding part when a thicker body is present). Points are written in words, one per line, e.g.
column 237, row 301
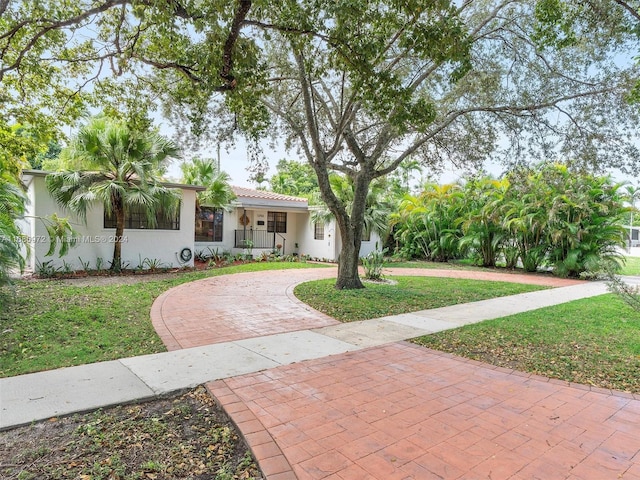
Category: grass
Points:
column 50, row 324
column 409, row 294
column 185, row 436
column 593, row 341
column 451, row 265
column 631, row 266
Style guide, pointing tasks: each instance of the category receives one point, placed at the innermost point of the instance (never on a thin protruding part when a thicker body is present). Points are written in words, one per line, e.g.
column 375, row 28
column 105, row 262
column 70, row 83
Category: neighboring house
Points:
column 266, row 219
column 634, row 234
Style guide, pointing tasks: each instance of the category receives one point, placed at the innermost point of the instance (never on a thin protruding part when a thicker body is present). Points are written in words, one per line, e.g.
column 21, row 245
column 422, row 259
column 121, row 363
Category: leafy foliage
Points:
column 295, row 178
column 12, row 207
column 374, row 263
column 426, row 226
column 111, row 164
column 218, row 192
column 483, row 234
column 550, row 215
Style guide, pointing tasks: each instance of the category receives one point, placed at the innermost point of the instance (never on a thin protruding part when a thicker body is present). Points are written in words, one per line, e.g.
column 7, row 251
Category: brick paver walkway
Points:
column 400, row 411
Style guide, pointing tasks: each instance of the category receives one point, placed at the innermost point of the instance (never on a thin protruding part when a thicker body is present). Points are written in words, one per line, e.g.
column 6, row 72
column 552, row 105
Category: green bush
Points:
column 373, row 263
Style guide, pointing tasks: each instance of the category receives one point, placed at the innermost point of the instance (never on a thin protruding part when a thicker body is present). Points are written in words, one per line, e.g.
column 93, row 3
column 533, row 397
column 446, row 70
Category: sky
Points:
column 234, row 161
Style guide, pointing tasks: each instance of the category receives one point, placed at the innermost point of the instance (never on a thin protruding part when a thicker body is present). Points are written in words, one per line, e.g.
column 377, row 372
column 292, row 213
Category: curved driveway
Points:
column 233, row 307
column 245, row 305
column 396, row 411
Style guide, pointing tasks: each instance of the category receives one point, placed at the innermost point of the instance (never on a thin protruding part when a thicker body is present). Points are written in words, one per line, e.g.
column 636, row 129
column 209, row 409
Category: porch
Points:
column 260, row 239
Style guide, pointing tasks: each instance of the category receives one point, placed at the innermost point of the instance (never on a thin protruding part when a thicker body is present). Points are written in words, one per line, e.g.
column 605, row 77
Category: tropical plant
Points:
column 526, row 215
column 204, row 172
column 482, row 221
column 119, row 168
column 584, row 226
column 426, row 226
column 373, row 263
column 12, row 207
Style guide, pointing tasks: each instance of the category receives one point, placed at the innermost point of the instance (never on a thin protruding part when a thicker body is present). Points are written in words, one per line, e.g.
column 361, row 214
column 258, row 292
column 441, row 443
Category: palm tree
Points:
column 584, row 220
column 483, row 227
column 119, row 168
column 426, row 225
column 12, row 207
column 218, row 193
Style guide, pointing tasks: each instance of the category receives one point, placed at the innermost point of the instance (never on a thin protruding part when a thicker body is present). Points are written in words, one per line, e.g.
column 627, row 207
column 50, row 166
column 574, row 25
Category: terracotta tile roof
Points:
column 251, row 193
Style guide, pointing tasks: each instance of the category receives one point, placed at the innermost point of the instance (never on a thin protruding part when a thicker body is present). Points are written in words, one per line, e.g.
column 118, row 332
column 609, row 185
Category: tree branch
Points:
column 49, row 26
column 628, row 8
column 227, row 53
column 452, row 116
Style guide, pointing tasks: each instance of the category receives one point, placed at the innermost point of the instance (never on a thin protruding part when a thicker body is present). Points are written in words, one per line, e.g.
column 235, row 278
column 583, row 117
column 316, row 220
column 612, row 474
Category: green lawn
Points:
column 49, row 324
column 410, row 294
column 631, row 266
column 593, row 341
column 452, row 265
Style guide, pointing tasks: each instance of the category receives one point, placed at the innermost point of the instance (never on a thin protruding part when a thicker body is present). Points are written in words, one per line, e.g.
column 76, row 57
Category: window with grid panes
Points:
column 136, row 218
column 209, row 224
column 277, row 222
column 318, row 231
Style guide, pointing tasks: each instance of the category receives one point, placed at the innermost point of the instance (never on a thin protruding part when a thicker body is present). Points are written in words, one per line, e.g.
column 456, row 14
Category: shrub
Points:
column 373, row 263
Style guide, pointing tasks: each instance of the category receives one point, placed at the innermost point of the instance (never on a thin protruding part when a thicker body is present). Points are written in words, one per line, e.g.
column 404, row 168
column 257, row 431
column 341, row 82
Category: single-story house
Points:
column 266, row 221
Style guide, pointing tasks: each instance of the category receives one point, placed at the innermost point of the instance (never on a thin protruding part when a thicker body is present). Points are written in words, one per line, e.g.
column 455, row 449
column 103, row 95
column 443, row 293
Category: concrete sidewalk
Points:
column 39, row 396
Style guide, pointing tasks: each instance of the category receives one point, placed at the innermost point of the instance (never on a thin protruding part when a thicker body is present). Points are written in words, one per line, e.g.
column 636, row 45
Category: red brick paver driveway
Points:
column 401, row 411
column 233, row 307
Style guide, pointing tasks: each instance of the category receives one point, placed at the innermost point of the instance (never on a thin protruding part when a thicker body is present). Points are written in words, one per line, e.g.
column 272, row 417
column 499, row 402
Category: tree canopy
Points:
column 294, row 178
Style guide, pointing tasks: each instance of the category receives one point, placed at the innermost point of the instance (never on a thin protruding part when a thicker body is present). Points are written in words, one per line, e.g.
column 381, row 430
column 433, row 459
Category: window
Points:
column 209, row 224
column 277, row 222
column 136, row 218
column 318, row 231
column 366, row 235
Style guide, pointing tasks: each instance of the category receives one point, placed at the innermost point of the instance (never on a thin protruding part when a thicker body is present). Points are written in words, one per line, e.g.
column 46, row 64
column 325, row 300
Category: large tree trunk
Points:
column 351, row 228
column 348, row 276
column 116, row 263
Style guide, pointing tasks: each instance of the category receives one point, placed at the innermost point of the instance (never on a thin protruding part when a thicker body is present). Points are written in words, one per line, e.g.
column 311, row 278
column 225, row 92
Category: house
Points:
column 263, row 220
column 161, row 244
